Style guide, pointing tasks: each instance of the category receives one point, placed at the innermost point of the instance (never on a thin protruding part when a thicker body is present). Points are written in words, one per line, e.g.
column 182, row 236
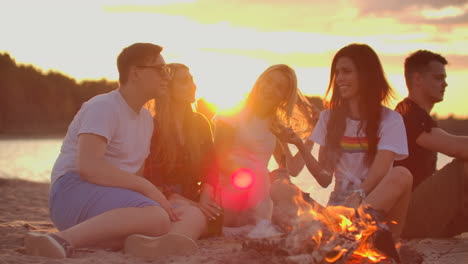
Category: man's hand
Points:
column 208, row 206
column 157, row 196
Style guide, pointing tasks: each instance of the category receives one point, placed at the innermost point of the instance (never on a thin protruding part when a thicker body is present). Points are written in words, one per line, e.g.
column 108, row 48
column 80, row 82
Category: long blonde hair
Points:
column 164, row 147
column 294, row 111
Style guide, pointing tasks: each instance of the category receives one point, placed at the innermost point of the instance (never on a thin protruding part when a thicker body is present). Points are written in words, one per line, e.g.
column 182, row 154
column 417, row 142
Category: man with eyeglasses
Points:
column 98, row 197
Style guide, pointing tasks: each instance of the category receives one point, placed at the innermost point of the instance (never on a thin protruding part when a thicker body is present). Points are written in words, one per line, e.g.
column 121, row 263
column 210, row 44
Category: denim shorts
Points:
column 73, row 200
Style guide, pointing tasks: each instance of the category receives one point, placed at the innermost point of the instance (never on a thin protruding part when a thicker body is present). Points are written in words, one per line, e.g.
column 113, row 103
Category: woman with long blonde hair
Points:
column 246, row 141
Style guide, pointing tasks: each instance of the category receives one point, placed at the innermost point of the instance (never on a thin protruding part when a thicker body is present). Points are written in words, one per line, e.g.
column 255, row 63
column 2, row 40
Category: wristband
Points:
column 361, row 193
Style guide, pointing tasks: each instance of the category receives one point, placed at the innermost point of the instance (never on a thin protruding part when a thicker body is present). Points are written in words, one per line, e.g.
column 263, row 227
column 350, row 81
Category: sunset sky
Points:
column 228, row 43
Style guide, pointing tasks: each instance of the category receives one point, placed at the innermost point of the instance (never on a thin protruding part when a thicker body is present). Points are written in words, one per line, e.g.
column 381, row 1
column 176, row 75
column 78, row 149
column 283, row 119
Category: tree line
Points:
column 33, row 102
column 36, row 102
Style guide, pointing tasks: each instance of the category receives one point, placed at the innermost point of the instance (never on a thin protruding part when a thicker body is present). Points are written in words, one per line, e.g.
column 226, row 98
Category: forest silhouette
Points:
column 38, row 103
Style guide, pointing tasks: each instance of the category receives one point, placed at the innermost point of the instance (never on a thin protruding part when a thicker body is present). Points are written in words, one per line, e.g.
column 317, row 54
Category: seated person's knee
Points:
column 402, row 177
column 190, row 212
column 157, row 220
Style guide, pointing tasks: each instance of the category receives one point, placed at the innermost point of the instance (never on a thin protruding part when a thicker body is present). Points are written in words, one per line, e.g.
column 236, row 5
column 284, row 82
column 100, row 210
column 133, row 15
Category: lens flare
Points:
column 242, row 178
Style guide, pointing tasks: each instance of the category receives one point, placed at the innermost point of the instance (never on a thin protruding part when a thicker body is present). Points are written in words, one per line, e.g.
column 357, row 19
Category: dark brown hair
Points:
column 166, row 149
column 374, row 90
column 418, row 62
column 135, row 54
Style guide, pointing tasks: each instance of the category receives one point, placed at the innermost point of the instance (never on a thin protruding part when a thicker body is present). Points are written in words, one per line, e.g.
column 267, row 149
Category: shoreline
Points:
column 25, row 135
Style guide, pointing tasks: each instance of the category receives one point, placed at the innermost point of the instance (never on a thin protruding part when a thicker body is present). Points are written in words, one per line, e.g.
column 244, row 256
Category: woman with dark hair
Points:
column 246, row 141
column 182, row 153
column 360, row 138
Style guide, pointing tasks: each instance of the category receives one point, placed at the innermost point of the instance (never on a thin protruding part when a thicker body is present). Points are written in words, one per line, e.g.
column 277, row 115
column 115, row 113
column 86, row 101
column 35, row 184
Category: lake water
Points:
column 32, row 159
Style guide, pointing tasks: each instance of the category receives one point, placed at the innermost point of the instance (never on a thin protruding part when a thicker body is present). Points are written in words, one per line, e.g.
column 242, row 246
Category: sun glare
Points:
column 227, row 51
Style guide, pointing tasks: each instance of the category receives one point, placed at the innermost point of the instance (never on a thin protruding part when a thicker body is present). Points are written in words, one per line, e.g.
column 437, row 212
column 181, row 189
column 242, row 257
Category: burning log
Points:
column 270, row 245
column 314, row 234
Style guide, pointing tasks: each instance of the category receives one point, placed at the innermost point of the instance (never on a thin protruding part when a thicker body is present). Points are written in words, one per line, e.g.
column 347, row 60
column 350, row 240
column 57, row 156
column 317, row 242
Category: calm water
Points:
column 32, row 159
column 29, row 159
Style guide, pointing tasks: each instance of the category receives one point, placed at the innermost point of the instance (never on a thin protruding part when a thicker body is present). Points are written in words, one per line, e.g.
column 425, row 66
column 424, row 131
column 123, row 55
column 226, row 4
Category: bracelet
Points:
column 361, row 193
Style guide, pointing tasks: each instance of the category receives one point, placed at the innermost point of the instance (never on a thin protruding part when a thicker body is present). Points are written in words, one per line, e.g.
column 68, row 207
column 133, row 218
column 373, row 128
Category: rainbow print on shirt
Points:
column 354, row 144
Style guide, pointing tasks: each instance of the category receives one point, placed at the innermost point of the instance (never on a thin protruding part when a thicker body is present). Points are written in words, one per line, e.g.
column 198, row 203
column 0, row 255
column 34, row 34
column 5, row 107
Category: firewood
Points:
column 317, row 235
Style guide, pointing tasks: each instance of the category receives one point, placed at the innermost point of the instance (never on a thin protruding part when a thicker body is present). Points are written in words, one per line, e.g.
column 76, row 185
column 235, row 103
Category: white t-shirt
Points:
column 254, row 143
column 252, row 148
column 128, row 133
column 351, row 169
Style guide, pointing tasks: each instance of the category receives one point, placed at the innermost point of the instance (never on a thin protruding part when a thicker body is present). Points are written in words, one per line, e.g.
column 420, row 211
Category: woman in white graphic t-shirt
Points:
column 360, row 138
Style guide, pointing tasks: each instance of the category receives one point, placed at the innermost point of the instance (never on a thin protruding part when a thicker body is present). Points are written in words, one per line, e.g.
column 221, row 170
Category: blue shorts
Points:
column 73, row 200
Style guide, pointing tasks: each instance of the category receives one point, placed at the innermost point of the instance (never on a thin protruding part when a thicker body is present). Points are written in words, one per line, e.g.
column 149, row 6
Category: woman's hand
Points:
column 280, row 173
column 208, row 206
column 286, row 134
column 353, row 200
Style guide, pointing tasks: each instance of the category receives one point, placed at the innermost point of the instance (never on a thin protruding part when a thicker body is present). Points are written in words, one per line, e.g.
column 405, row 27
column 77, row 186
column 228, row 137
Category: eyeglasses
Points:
column 164, row 70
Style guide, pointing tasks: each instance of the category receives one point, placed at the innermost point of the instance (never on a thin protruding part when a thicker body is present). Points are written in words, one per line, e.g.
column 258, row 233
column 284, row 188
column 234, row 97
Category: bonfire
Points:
column 315, row 234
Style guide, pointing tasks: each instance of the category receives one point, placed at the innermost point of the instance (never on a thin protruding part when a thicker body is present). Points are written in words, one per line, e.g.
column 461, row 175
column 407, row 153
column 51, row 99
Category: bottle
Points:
column 215, row 227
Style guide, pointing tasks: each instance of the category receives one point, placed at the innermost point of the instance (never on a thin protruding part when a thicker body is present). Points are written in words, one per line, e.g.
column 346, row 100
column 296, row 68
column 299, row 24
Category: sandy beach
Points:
column 24, row 208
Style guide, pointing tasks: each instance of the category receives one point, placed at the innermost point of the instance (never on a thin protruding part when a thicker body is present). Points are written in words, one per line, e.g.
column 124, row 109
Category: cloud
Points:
column 262, row 15
column 458, row 62
column 430, row 12
column 394, row 6
column 261, row 28
column 452, row 20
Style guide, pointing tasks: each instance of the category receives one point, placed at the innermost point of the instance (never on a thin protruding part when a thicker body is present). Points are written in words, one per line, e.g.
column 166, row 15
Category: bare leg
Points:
column 180, row 237
column 248, row 206
column 264, row 210
column 110, row 229
column 465, row 190
column 259, row 201
column 465, row 170
column 234, row 203
column 192, row 221
column 398, row 213
column 393, row 195
column 436, row 204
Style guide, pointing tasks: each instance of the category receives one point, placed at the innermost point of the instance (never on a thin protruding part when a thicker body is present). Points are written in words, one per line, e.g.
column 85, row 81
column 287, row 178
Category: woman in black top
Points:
column 181, row 161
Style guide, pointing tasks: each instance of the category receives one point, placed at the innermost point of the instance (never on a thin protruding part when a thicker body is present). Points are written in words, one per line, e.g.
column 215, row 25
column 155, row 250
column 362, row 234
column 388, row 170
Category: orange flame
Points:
column 336, row 257
column 300, row 212
column 345, row 223
column 340, row 219
column 318, row 238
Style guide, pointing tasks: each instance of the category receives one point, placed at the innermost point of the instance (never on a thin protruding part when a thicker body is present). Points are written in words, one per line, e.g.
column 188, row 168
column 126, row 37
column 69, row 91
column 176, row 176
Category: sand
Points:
column 24, row 208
